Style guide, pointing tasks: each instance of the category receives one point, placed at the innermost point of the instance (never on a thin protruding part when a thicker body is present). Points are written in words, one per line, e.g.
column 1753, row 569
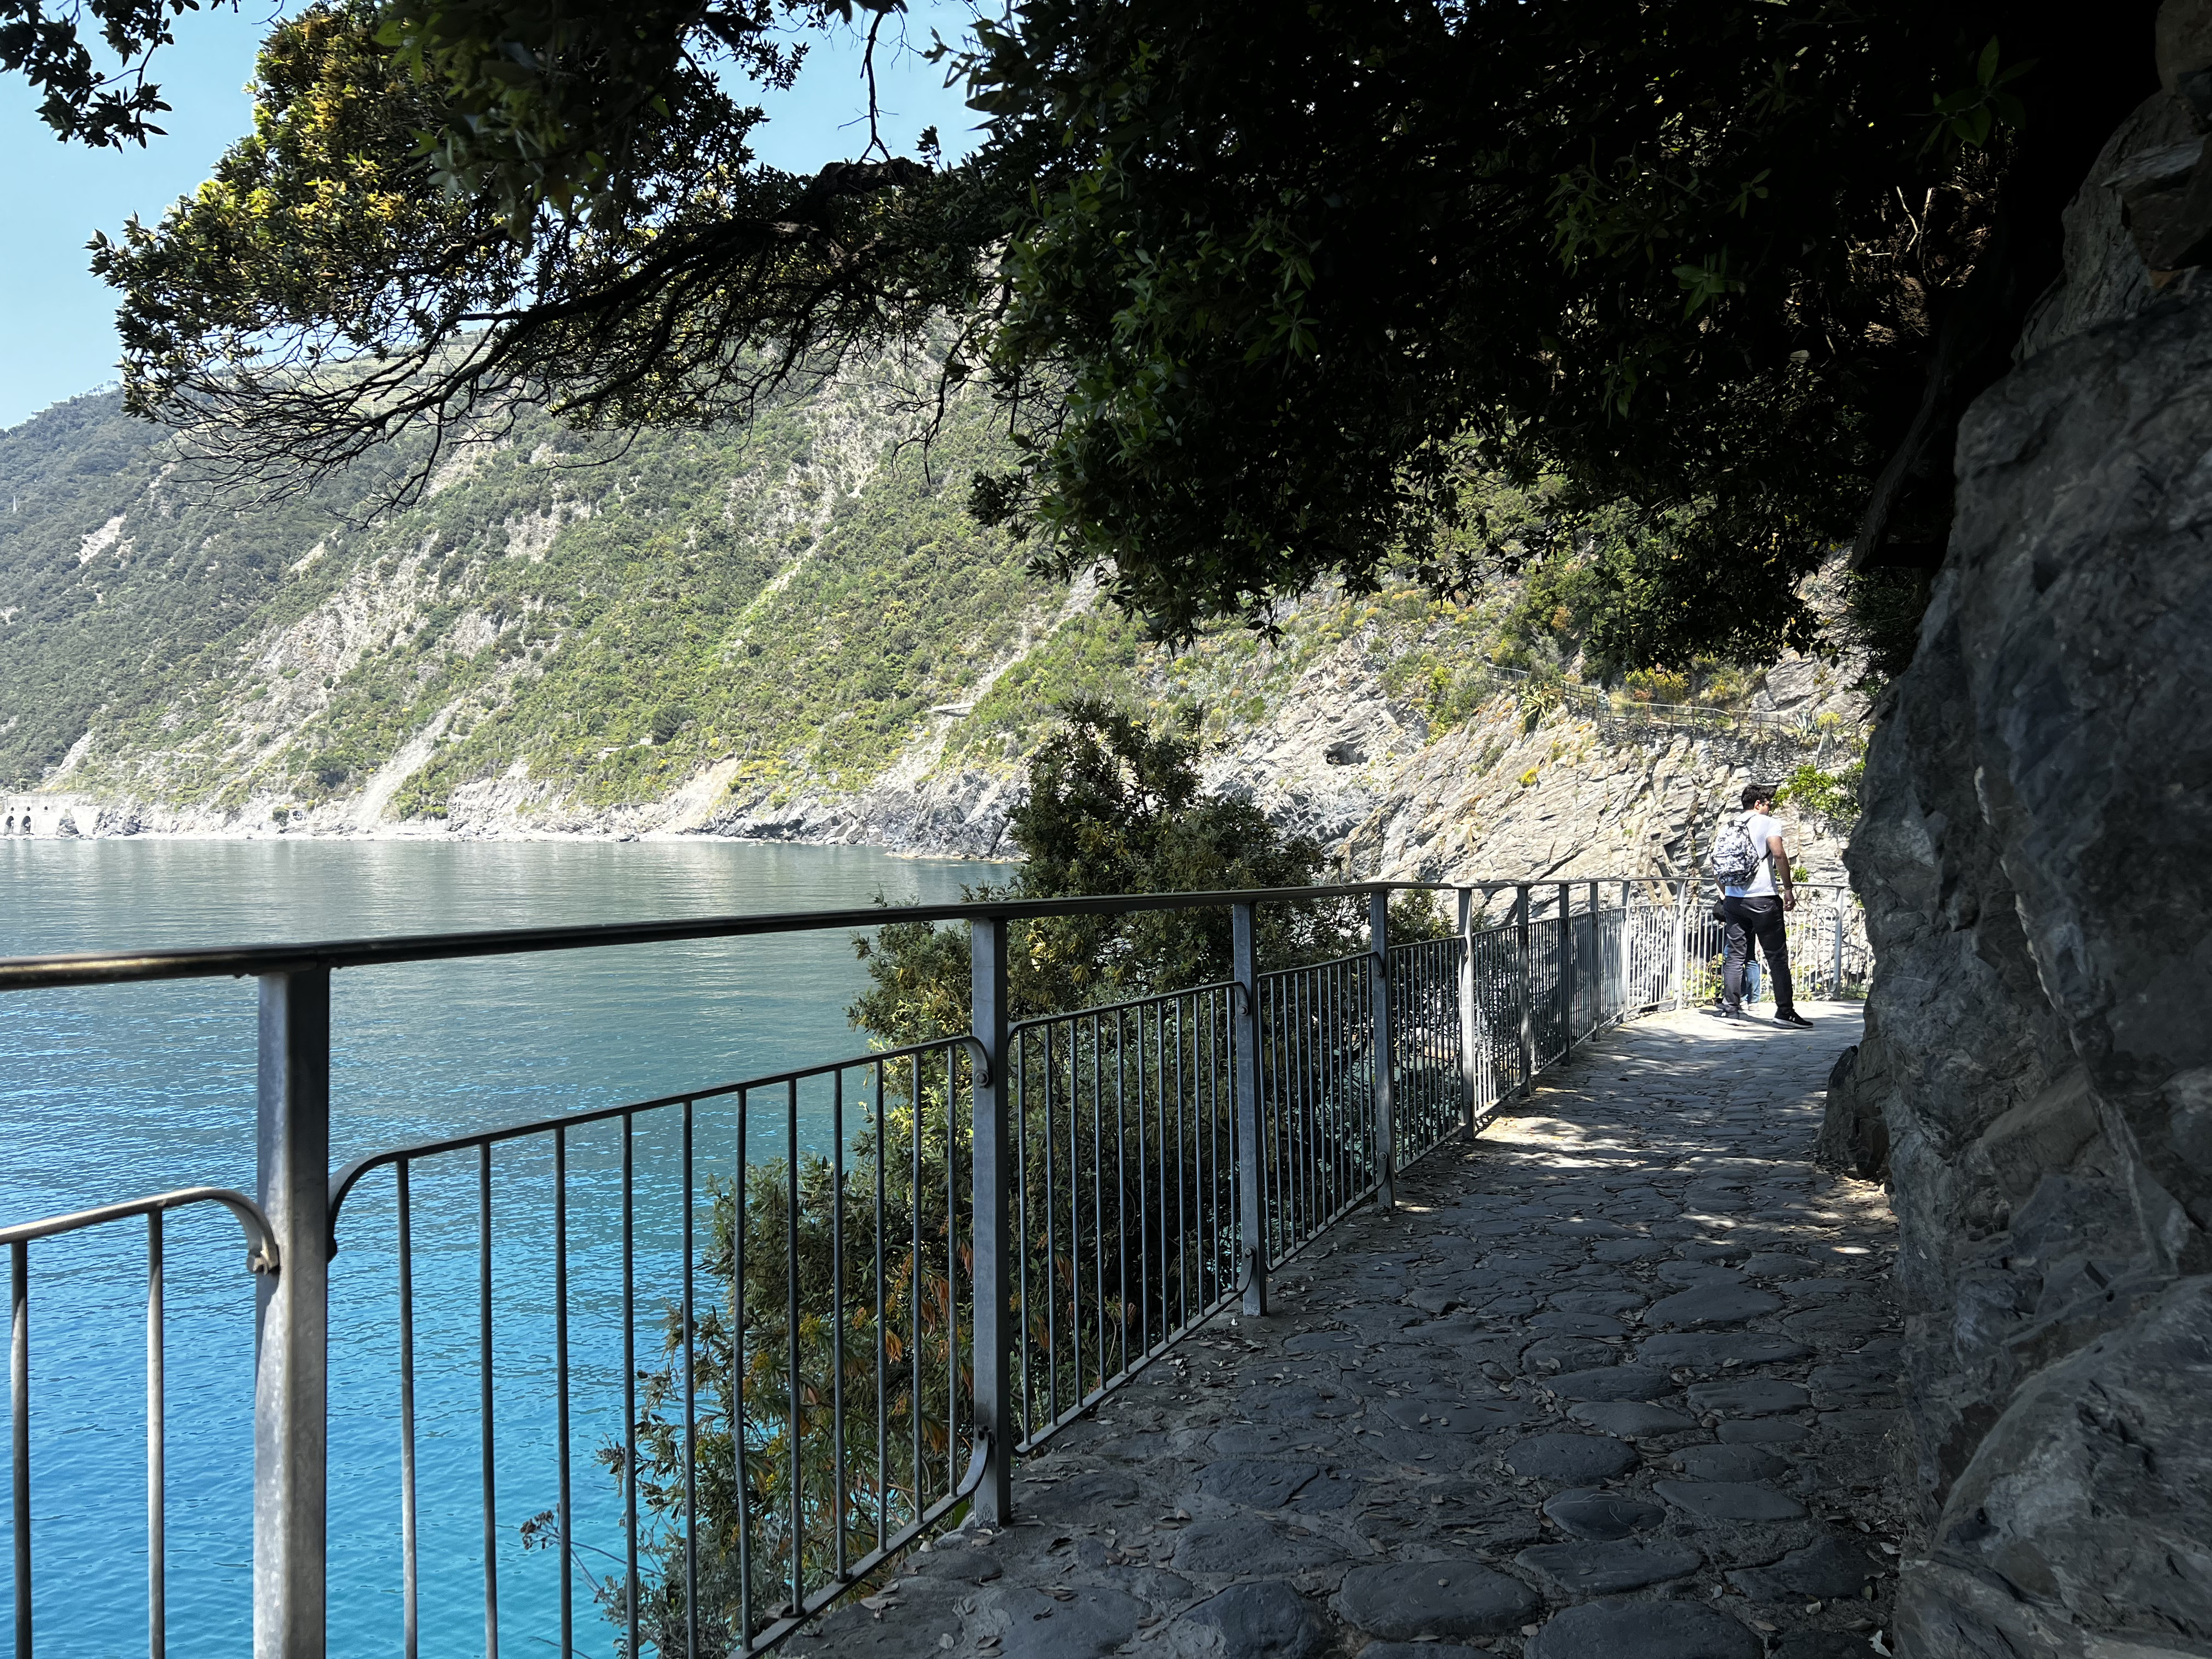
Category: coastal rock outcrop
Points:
column 2033, row 860
column 1562, row 793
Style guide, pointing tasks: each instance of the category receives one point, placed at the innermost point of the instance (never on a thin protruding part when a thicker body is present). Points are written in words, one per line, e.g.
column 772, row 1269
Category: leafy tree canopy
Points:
column 1261, row 287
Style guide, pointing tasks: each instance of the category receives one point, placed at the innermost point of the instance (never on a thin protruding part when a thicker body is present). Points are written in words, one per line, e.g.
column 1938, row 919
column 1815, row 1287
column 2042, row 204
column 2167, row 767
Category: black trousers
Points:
column 1759, row 919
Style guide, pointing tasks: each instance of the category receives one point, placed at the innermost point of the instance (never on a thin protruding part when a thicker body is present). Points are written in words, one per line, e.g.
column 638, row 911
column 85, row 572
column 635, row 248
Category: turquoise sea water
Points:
column 114, row 1092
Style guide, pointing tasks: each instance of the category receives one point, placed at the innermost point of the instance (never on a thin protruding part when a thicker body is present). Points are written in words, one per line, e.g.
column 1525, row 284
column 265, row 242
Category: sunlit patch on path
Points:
column 1617, row 1380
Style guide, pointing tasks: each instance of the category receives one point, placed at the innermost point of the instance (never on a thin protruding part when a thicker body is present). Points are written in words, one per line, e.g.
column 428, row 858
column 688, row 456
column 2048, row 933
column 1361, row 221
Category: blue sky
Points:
column 57, row 319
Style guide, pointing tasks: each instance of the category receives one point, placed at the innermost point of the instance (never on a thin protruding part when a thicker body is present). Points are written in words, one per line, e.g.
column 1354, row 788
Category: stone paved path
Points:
column 1615, row 1383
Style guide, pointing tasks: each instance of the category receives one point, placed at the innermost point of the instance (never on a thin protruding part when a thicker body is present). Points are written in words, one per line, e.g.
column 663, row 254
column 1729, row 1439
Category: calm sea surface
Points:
column 115, row 1092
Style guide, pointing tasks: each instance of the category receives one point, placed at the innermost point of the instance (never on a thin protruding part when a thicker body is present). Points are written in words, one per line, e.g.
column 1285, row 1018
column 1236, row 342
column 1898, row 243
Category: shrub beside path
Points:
column 1616, row 1381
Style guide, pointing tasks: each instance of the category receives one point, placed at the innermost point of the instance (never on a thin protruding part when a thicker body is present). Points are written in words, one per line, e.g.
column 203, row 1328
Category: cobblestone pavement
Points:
column 1614, row 1382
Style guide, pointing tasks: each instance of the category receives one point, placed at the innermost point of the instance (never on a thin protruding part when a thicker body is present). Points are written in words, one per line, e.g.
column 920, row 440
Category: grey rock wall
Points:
column 1559, row 793
column 2036, row 861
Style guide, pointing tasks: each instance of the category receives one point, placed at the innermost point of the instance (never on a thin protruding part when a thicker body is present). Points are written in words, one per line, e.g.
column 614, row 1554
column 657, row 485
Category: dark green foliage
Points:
column 1115, row 806
column 47, row 46
column 450, row 212
column 1250, row 280
column 1282, row 263
column 1885, row 608
column 1831, row 796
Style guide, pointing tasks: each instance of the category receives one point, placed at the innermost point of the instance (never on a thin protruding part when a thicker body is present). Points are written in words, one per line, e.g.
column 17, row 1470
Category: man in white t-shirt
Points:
column 1754, row 908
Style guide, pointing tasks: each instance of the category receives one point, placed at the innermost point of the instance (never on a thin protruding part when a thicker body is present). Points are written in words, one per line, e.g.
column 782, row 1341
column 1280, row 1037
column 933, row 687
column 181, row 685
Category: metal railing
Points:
column 889, row 1276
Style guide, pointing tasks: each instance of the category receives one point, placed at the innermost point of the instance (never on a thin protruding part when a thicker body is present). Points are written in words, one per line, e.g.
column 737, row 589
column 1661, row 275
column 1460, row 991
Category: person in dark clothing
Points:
column 1754, row 908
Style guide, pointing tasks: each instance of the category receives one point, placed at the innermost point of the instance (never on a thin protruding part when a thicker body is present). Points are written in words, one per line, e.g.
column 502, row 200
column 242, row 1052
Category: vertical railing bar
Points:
column 410, row 1559
column 484, row 1437
column 952, row 1272
column 1251, row 1226
column 1336, row 1164
column 1121, row 1183
column 157, row 1477
column 1074, row 1215
column 1330, row 1055
column 1598, row 971
column 917, row 1467
column 1160, row 1107
column 1276, row 1116
column 837, row 1492
column 1014, row 1094
column 1353, row 1009
column 996, row 1333
column 1182, row 1185
column 1144, row 1202
column 1201, row 1107
column 1051, row 1243
column 1304, row 1096
column 1380, row 1041
column 882, row 1375
column 563, row 1491
column 1293, row 1122
column 740, row 1420
column 1274, row 1040
column 19, row 1411
column 630, row 1586
column 1337, row 1015
column 1267, row 1027
column 1217, row 1029
column 690, row 1411
column 1528, row 997
column 791, row 1327
column 1076, row 1227
column 1307, row 1051
column 1098, row 1198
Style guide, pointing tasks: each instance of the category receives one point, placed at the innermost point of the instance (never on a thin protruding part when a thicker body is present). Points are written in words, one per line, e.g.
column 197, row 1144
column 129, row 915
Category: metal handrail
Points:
column 344, row 1181
column 262, row 1256
column 224, row 962
column 1298, row 1080
column 236, row 961
column 231, row 961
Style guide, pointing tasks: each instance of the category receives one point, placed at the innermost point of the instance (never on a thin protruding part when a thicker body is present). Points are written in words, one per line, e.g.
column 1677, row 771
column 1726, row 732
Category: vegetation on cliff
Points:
column 575, row 623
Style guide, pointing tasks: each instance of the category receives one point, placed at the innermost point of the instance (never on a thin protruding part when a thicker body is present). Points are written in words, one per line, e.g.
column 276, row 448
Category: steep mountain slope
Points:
column 793, row 631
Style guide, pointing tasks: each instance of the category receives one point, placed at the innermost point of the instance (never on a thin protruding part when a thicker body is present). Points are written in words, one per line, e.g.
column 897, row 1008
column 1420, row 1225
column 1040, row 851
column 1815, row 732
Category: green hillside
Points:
column 604, row 616
column 575, row 625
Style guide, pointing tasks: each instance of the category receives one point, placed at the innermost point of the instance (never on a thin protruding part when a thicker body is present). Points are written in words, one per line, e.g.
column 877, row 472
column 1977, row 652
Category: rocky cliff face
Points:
column 1554, row 793
column 2036, row 861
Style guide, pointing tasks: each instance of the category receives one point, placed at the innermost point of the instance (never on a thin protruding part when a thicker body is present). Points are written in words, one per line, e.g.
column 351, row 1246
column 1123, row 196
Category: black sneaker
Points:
column 1791, row 1016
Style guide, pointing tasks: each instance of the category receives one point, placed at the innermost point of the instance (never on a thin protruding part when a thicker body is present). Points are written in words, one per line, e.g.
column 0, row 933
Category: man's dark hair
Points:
column 1755, row 792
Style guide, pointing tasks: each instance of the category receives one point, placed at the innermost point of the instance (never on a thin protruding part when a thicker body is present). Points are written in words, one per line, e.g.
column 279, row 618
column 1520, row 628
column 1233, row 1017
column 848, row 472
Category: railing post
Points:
column 991, row 1231
column 1473, row 1052
column 1623, row 973
column 291, row 1424
column 19, row 1435
column 1384, row 1054
column 1567, row 970
column 1838, row 980
column 1682, row 890
column 1599, row 976
column 1251, row 1197
column 1527, row 995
